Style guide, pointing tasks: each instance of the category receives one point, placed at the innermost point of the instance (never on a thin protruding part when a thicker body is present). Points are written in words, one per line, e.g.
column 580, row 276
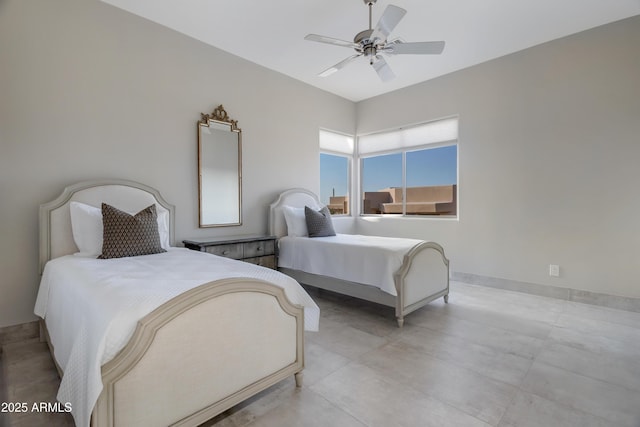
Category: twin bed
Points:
column 402, row 273
column 163, row 339
column 177, row 337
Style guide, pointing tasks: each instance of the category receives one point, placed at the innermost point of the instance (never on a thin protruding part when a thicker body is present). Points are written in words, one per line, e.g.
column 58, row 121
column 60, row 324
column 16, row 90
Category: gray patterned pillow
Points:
column 319, row 223
column 127, row 235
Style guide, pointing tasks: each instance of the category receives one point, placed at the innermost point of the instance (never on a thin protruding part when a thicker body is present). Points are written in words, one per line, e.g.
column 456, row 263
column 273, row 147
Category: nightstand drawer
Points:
column 259, row 248
column 268, row 261
column 233, row 250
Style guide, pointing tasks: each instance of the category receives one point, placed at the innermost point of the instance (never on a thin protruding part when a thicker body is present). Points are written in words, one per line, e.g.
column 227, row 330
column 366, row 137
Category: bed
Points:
column 420, row 275
column 183, row 345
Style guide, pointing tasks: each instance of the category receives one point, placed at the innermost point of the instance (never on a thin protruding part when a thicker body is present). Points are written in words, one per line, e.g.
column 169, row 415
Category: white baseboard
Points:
column 585, row 297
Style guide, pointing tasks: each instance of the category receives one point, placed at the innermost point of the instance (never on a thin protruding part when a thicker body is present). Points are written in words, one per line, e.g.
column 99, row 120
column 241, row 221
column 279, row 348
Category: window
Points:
column 380, row 175
column 336, row 152
column 410, row 171
column 334, row 182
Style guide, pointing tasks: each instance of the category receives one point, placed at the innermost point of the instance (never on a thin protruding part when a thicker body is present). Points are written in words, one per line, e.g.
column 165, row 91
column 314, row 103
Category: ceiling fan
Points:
column 372, row 42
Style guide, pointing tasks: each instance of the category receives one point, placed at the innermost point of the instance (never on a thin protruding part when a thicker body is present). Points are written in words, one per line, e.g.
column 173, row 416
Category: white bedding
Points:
column 92, row 306
column 370, row 260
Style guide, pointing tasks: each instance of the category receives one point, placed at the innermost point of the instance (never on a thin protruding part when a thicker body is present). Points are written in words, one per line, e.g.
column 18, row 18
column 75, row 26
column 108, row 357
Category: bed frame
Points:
column 422, row 278
column 153, row 380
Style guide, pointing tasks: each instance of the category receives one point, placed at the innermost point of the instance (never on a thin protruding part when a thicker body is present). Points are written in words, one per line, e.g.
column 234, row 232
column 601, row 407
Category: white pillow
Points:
column 86, row 226
column 163, row 229
column 296, row 222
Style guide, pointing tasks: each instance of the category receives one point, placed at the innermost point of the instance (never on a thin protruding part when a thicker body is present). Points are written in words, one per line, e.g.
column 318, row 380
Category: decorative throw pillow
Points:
column 127, row 235
column 319, row 223
column 86, row 225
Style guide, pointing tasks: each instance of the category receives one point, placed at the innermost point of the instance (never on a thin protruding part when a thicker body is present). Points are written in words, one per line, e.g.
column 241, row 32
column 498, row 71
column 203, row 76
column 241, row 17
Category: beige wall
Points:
column 548, row 161
column 89, row 91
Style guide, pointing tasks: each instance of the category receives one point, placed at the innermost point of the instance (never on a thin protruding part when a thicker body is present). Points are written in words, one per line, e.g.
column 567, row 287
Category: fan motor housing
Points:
column 363, row 37
column 367, row 45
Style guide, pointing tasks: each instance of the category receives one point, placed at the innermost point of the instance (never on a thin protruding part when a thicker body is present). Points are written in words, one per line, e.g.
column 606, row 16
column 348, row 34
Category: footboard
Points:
column 423, row 277
column 201, row 353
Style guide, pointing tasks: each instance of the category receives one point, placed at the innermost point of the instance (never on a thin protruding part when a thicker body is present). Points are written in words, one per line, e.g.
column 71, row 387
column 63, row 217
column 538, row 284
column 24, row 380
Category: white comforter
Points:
column 92, row 306
column 370, row 260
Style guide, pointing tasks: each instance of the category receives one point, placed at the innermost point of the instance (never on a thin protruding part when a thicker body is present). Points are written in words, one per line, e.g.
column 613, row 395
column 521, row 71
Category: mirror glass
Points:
column 219, row 170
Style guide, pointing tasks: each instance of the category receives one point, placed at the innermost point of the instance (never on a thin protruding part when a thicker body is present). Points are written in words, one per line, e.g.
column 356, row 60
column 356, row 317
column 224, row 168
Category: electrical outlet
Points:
column 554, row 270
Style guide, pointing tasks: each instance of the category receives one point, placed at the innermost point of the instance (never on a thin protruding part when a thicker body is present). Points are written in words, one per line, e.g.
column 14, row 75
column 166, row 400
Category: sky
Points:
column 434, row 166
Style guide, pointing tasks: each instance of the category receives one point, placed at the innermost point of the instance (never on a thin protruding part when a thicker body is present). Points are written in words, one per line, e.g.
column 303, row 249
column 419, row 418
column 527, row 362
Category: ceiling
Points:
column 271, row 33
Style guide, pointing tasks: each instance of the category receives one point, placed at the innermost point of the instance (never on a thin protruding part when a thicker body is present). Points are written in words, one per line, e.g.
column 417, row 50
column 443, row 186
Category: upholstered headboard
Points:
column 56, row 238
column 297, row 198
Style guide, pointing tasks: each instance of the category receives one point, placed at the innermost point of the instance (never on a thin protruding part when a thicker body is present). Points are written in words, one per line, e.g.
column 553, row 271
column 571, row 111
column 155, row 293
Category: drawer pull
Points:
column 259, row 248
column 225, row 252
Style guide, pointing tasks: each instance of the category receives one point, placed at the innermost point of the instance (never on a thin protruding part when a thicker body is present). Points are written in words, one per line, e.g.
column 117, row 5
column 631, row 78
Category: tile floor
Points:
column 488, row 358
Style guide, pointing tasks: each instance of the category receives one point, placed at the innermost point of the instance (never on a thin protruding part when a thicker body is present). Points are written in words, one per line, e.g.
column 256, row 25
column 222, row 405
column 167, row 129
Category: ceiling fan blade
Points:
column 388, row 21
column 330, row 40
column 338, row 66
column 382, row 68
column 416, row 48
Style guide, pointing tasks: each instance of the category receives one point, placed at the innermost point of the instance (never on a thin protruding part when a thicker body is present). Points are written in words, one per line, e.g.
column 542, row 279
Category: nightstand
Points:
column 260, row 250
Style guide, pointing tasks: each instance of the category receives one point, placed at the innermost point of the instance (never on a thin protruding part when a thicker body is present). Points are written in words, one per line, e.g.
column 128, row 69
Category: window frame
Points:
column 359, row 158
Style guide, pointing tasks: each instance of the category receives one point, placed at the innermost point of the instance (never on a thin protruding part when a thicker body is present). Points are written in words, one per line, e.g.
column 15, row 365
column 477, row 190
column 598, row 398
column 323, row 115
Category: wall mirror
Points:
column 219, row 170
